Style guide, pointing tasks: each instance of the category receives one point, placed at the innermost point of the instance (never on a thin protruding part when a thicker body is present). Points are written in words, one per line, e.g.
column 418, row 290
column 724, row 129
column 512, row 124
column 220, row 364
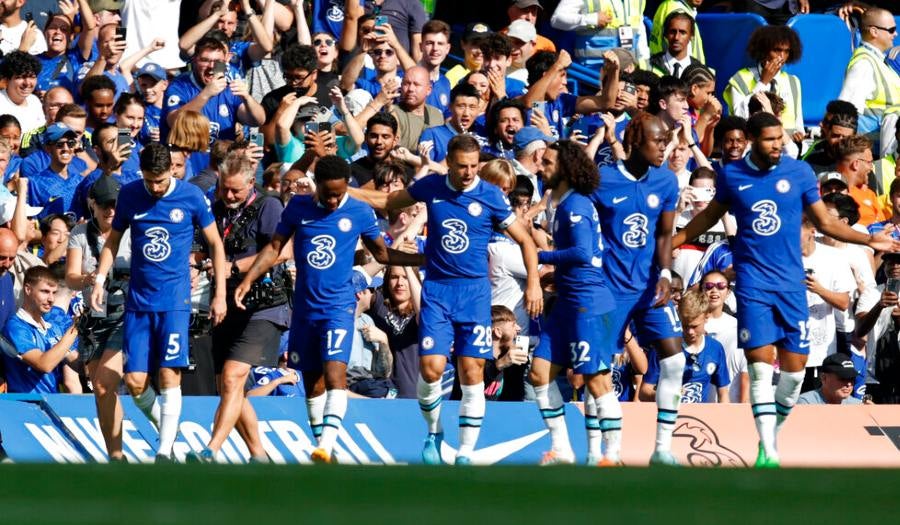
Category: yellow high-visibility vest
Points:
column 887, row 82
column 657, row 39
column 743, row 82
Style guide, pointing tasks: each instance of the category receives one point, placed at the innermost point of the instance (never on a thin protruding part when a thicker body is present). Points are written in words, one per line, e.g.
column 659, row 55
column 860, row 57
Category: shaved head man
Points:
column 412, row 113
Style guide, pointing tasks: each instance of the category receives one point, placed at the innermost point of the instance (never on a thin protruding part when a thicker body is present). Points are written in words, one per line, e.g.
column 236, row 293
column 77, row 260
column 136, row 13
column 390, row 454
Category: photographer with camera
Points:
column 100, row 331
column 246, row 217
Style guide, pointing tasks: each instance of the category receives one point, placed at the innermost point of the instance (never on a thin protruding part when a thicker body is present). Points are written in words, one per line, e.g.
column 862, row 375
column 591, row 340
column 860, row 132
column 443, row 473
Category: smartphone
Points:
column 124, row 137
column 540, row 106
column 380, row 20
column 256, row 138
column 324, row 126
column 892, row 285
column 120, row 33
column 522, row 342
column 312, row 126
column 704, row 194
column 219, row 67
column 630, row 88
column 810, row 272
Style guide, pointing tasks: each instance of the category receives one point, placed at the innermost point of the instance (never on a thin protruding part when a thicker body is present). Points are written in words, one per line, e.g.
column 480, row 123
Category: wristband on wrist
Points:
column 99, row 280
column 692, row 145
column 665, row 273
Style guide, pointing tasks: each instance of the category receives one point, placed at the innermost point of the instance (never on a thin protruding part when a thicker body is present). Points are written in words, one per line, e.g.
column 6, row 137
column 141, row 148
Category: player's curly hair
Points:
column 634, row 131
column 19, row 63
column 575, row 166
column 765, row 38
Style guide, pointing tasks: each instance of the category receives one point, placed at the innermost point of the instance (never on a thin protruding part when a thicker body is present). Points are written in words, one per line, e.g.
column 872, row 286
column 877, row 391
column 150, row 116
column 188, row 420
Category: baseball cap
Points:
column 105, row 5
column 105, row 190
column 57, row 131
column 529, row 134
column 8, row 208
column 832, row 177
column 475, row 29
column 522, row 30
column 152, row 70
column 362, row 281
column 522, row 4
column 840, row 365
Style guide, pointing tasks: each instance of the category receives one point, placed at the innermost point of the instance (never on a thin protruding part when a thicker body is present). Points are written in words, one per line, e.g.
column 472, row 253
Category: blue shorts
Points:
column 582, row 342
column 768, row 317
column 458, row 317
column 312, row 342
column 157, row 338
column 653, row 324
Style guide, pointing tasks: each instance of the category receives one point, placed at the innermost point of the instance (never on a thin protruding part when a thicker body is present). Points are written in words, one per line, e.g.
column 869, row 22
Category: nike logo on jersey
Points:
column 743, row 187
column 435, row 201
column 334, row 352
column 170, row 357
column 139, row 216
column 486, row 350
column 305, row 222
column 617, row 200
column 804, row 345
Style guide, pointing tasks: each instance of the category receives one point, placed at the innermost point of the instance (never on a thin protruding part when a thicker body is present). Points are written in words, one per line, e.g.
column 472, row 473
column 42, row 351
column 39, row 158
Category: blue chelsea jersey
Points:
column 629, row 210
column 768, row 207
column 261, row 376
column 324, row 244
column 460, row 225
column 578, row 257
column 439, row 137
column 221, row 110
column 162, row 233
column 703, row 372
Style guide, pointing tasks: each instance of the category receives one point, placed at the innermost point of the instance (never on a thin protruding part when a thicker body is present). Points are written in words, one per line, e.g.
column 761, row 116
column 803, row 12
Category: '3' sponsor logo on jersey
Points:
column 158, row 249
column 455, row 240
column 636, row 235
column 767, row 223
column 323, row 256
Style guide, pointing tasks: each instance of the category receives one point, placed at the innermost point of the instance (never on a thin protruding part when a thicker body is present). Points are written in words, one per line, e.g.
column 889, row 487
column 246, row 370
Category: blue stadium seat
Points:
column 725, row 38
column 826, row 52
column 897, row 34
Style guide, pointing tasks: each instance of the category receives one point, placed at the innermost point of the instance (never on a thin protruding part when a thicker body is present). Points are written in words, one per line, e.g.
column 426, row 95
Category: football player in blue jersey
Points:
column 636, row 201
column 463, row 212
column 161, row 213
column 768, row 194
column 325, row 228
column 579, row 331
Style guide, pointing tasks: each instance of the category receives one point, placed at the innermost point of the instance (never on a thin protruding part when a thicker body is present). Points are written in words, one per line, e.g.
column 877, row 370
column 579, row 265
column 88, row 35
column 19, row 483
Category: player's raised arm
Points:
column 381, row 200
column 107, row 257
column 704, row 220
column 833, row 227
column 534, row 295
column 388, row 256
column 217, row 307
column 263, row 263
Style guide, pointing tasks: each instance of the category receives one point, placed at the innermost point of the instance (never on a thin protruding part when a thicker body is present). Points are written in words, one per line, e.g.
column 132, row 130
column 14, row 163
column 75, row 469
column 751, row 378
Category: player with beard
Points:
column 767, row 195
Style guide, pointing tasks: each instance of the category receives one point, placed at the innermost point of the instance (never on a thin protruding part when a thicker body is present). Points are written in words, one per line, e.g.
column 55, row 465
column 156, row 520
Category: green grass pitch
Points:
column 330, row 495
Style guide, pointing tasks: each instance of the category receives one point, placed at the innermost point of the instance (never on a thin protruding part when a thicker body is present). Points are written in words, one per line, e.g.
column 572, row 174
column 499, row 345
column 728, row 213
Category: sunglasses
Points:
column 295, row 78
column 323, row 41
column 891, row 30
column 715, row 286
column 380, row 52
column 65, row 143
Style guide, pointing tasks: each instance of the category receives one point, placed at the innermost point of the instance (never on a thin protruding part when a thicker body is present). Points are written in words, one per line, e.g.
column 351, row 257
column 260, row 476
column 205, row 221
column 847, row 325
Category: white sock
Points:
column 609, row 412
column 786, row 395
column 315, row 411
column 335, row 408
column 148, row 404
column 430, row 404
column 668, row 397
column 592, row 425
column 471, row 414
column 170, row 413
column 762, row 401
column 553, row 411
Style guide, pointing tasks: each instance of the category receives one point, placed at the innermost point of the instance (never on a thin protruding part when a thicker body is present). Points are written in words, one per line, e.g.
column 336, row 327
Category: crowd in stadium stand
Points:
column 251, row 94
